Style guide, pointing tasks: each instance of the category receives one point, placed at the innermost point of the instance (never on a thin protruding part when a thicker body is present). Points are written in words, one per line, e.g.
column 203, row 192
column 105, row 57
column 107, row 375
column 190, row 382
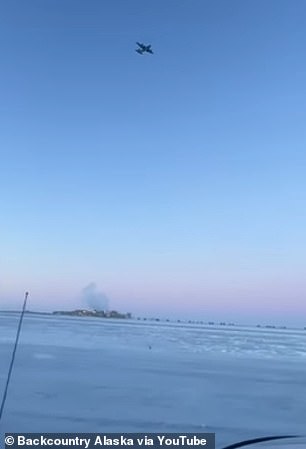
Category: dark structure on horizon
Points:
column 94, row 313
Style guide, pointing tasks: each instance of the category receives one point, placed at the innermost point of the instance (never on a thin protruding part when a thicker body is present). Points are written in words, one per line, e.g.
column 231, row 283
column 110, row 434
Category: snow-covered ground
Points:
column 97, row 375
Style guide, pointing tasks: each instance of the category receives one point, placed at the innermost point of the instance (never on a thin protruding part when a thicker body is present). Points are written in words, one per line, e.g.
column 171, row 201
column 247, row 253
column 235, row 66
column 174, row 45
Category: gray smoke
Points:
column 93, row 298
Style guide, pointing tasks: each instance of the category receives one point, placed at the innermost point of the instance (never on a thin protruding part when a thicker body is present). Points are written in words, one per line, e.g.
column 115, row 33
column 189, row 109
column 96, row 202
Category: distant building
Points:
column 94, row 313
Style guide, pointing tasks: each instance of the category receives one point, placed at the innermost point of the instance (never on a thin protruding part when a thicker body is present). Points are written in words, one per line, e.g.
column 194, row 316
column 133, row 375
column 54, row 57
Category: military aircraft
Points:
column 143, row 49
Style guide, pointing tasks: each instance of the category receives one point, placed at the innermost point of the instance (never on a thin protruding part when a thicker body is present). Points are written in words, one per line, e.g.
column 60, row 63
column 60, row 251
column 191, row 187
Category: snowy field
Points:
column 97, row 375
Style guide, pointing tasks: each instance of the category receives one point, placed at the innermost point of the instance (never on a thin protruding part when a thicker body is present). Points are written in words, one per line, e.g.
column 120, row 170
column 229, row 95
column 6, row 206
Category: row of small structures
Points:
column 116, row 314
column 211, row 323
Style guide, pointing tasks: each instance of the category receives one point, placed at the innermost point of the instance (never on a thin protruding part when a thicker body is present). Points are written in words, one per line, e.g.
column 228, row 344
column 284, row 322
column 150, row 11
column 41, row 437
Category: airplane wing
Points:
column 139, row 51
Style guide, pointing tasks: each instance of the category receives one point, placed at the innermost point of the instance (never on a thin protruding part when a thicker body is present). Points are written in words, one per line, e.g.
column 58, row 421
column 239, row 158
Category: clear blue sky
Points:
column 174, row 181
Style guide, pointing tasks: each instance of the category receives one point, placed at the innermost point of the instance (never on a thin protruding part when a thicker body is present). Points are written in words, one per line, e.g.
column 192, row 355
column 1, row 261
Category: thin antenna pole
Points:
column 13, row 355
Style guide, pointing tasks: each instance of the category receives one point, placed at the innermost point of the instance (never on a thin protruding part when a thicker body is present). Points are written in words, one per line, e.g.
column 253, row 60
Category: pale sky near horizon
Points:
column 174, row 181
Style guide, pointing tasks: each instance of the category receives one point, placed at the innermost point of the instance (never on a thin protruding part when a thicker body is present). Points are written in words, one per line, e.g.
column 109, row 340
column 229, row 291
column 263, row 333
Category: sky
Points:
column 173, row 183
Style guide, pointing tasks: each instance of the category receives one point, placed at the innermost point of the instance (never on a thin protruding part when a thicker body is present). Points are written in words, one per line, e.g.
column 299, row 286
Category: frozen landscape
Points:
column 101, row 375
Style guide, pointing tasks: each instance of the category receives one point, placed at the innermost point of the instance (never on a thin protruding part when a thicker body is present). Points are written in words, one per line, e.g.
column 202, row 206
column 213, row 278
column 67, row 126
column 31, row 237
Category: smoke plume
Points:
column 93, row 298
